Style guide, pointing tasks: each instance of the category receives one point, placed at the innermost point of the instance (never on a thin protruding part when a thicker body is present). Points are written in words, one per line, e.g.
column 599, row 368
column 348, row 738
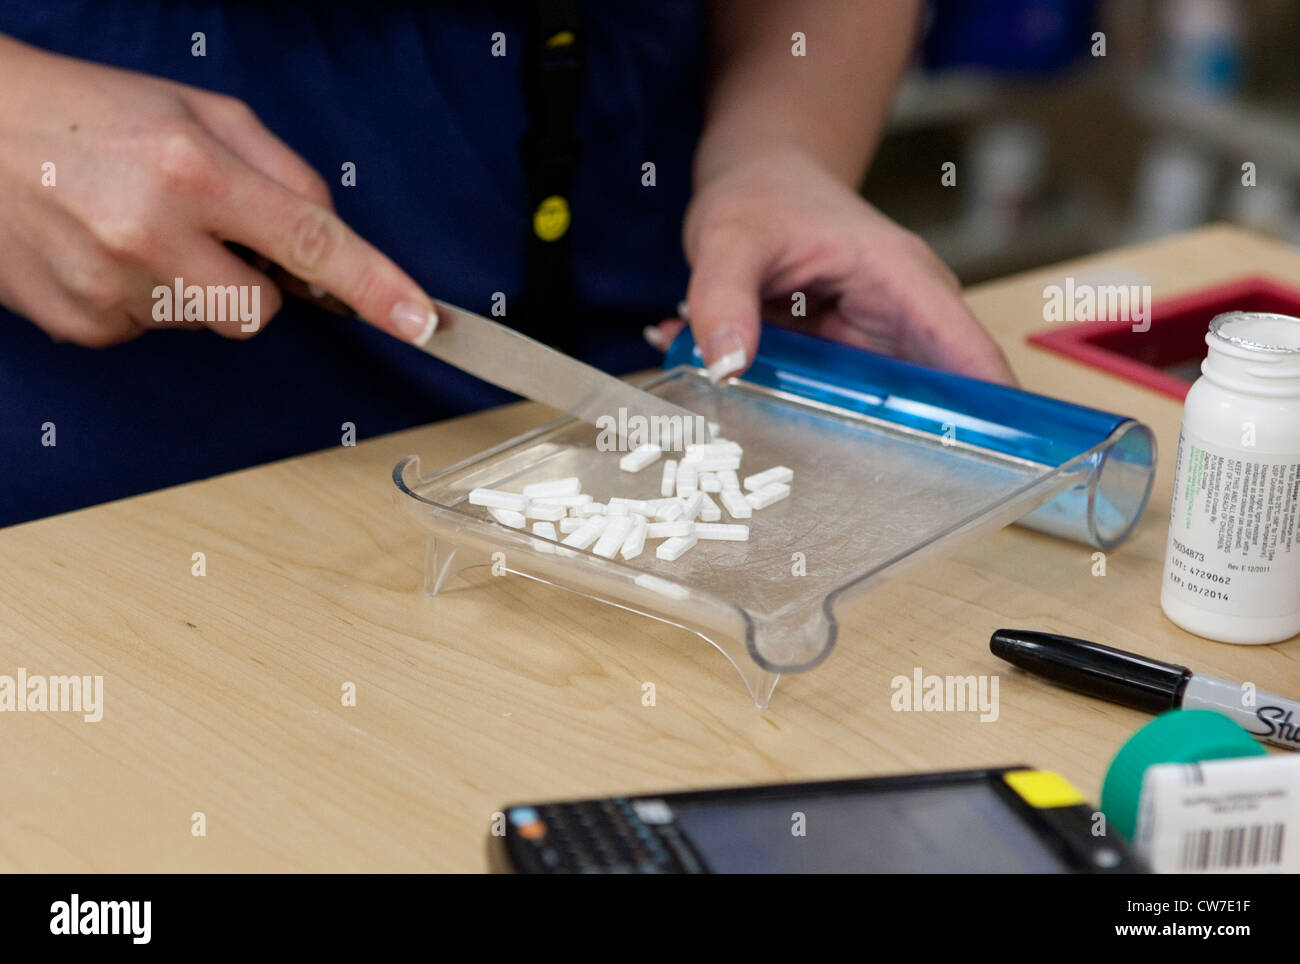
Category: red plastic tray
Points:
column 1167, row 357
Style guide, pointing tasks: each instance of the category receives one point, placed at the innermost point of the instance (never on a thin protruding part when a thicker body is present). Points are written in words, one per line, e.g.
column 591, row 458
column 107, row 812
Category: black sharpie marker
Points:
column 1148, row 684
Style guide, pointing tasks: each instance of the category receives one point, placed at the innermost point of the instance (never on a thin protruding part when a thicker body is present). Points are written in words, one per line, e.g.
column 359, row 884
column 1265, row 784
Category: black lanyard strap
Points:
column 550, row 150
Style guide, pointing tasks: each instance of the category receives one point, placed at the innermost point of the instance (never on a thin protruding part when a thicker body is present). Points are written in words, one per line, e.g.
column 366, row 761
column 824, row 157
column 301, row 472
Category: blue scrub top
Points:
column 411, row 94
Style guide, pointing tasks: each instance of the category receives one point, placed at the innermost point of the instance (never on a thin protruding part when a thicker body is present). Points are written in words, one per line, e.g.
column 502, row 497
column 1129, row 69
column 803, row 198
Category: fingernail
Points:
column 728, row 354
column 416, row 322
column 654, row 336
column 683, row 312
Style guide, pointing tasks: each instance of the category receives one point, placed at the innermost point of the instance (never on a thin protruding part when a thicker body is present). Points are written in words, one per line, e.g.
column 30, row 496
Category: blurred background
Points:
column 1078, row 125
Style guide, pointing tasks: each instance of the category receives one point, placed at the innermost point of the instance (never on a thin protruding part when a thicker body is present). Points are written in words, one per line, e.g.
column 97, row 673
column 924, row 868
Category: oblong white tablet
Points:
column 498, row 499
column 581, row 498
column 688, row 480
column 691, row 505
column 588, row 533
column 545, row 511
column 721, row 532
column 547, row 531
column 640, row 457
column 709, row 511
column 611, row 540
column 779, row 473
column 669, row 510
column 634, row 544
column 557, row 487
column 662, row 586
column 670, row 550
column 638, row 506
column 768, row 494
column 667, row 530
column 712, row 463
column 669, row 484
column 716, row 447
column 508, row 517
column 734, row 501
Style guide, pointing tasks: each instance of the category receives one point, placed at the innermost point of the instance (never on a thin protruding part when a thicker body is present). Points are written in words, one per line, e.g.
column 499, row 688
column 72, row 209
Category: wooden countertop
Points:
column 222, row 693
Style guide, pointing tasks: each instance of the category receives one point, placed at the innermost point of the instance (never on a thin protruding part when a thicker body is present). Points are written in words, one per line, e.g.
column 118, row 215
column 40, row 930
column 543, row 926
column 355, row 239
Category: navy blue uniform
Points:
column 411, row 94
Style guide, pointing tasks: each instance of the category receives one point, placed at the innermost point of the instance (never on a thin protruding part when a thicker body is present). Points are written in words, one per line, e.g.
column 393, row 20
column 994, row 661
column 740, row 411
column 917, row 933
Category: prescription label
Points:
column 1221, row 816
column 1234, row 537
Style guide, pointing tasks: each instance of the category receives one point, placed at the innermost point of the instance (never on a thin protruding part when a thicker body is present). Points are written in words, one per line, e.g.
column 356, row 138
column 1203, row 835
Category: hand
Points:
column 779, row 224
column 148, row 178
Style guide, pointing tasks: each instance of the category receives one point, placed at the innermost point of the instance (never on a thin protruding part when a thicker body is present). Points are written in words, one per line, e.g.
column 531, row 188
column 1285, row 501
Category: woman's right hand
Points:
column 113, row 182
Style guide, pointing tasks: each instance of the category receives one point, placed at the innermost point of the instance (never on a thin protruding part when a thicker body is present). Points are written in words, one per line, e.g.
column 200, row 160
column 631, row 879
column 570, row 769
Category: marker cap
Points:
column 1179, row 736
column 1088, row 667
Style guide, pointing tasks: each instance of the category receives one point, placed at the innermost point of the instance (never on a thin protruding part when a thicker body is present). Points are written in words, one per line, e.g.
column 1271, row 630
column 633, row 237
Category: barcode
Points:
column 1229, row 848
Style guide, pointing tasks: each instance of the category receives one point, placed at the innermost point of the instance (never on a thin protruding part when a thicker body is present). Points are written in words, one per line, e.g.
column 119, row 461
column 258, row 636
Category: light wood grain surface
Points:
column 222, row 693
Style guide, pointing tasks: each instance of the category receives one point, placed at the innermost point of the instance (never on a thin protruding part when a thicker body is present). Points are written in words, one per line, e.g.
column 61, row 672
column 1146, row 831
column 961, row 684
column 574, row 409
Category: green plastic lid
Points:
column 1179, row 736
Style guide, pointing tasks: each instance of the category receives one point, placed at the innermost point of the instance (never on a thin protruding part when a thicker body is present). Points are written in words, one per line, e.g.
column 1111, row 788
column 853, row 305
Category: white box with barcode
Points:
column 1221, row 816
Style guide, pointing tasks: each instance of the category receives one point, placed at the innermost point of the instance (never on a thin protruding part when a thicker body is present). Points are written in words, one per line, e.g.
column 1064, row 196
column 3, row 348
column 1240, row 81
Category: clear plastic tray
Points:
column 869, row 496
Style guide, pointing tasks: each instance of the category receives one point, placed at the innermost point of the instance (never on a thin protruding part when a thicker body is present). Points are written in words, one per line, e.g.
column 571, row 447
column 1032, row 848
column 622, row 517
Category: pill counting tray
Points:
column 892, row 463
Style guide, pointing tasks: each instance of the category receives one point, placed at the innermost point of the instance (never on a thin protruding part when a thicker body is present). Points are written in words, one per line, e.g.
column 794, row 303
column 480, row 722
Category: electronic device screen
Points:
column 929, row 831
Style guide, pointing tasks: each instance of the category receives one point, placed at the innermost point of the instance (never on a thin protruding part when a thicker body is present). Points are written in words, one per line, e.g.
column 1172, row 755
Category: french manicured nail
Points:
column 683, row 312
column 653, row 336
column 416, row 322
column 728, row 354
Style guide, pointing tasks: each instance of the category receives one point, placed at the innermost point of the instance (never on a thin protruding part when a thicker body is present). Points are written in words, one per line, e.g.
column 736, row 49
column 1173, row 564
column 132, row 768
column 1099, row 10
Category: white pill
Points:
column 716, row 447
column 638, row 506
column 497, row 499
column 508, row 517
column 729, row 479
column 616, row 510
column 557, row 487
column 722, row 532
column 768, row 494
column 672, row 549
column 714, row 429
column 544, row 511
column 662, row 586
column 709, row 482
column 640, row 457
column 568, row 526
column 547, row 531
column 735, row 503
column 589, row 533
column 709, row 511
column 711, row 463
column 692, row 505
column 635, row 541
column 564, row 500
column 688, row 480
column 668, row 510
column 588, row 509
column 611, row 540
column 760, row 479
column 669, row 530
column 669, row 484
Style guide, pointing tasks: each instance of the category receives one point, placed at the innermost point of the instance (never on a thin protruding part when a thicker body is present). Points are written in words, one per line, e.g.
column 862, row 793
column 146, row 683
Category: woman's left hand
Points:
column 774, row 227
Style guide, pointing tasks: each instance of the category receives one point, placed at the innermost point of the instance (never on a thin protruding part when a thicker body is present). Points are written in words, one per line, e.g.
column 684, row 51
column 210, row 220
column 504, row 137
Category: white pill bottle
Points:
column 1232, row 563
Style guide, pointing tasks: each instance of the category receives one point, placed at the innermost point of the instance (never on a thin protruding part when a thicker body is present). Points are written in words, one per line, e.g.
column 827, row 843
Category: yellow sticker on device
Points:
column 1042, row 788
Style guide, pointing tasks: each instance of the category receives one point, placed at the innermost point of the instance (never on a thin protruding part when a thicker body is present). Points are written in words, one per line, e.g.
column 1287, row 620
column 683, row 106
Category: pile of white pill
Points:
column 683, row 514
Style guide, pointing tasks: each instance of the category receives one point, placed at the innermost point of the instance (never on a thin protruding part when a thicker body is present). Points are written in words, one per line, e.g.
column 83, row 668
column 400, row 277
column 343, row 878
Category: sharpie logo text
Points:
column 1277, row 724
